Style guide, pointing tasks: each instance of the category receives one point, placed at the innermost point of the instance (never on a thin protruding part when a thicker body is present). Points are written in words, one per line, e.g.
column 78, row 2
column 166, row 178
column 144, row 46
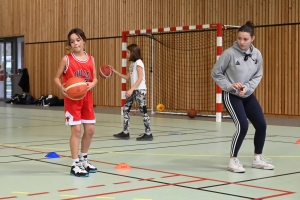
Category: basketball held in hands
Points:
column 76, row 88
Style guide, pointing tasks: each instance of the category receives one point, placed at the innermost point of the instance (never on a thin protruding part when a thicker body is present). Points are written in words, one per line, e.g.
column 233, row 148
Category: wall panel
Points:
column 45, row 25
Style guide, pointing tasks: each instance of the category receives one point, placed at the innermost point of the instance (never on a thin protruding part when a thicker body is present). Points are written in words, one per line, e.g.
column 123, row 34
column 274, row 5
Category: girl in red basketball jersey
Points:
column 77, row 112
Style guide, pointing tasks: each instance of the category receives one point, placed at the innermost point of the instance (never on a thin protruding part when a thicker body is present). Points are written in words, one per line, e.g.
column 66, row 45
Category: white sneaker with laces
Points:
column 235, row 166
column 260, row 162
column 78, row 170
column 87, row 165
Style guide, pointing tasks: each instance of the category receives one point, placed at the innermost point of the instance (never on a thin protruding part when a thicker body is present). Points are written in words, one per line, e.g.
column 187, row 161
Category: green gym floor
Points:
column 187, row 159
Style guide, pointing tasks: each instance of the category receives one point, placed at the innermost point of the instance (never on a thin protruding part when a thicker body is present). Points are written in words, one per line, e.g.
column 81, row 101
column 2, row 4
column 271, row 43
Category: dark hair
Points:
column 78, row 32
column 135, row 52
column 248, row 27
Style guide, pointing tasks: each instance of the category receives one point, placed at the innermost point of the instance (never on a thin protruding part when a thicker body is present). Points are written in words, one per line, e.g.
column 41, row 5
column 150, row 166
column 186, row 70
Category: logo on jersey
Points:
column 83, row 73
column 237, row 63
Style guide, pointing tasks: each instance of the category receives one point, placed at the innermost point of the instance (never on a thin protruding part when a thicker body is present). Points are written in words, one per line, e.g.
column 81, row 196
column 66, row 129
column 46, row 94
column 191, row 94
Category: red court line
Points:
column 70, row 189
column 215, row 180
column 11, row 197
column 153, row 170
column 35, row 194
column 117, row 192
column 276, row 195
column 131, row 190
column 286, row 192
column 170, row 176
column 22, row 149
column 94, row 186
column 122, row 182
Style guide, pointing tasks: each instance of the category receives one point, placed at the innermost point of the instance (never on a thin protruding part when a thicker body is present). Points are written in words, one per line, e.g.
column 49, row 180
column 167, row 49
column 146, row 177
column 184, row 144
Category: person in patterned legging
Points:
column 137, row 92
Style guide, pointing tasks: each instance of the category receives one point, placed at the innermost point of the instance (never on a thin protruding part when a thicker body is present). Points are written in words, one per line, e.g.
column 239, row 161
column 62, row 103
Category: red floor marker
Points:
column 298, row 141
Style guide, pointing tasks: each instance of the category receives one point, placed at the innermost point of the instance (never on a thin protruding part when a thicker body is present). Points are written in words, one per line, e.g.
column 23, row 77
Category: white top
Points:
column 134, row 74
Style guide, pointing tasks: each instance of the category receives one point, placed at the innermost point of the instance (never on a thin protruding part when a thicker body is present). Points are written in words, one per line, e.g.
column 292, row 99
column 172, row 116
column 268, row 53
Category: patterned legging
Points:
column 140, row 96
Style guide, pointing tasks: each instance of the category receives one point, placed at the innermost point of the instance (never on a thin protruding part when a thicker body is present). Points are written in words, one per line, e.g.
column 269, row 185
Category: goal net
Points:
column 178, row 67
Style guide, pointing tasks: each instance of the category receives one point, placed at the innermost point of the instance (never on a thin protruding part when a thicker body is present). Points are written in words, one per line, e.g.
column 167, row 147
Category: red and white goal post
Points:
column 192, row 86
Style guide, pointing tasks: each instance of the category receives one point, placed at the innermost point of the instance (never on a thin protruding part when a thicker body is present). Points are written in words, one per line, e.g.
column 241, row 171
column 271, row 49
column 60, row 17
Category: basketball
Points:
column 76, row 88
column 192, row 113
column 160, row 107
column 105, row 72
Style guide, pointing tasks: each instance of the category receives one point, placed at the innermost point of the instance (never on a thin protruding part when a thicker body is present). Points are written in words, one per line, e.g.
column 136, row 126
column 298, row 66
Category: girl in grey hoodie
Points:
column 238, row 72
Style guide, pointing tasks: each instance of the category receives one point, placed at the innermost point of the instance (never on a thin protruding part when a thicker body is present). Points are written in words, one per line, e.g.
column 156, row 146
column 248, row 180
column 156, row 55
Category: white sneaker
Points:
column 235, row 166
column 78, row 170
column 87, row 165
column 260, row 162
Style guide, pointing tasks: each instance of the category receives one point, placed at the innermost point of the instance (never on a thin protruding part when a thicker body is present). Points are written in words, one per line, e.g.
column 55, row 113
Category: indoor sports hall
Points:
column 181, row 42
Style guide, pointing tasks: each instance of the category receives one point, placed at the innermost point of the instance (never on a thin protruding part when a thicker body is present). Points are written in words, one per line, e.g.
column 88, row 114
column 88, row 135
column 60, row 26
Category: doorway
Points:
column 11, row 65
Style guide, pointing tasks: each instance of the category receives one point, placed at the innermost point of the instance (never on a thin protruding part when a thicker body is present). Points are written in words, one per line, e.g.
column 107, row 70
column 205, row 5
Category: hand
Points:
column 90, row 85
column 112, row 68
column 128, row 93
column 236, row 86
column 63, row 89
column 242, row 91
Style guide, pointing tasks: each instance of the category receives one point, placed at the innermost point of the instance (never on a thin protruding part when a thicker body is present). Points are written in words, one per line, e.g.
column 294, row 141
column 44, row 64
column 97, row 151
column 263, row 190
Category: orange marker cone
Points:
column 123, row 166
column 298, row 141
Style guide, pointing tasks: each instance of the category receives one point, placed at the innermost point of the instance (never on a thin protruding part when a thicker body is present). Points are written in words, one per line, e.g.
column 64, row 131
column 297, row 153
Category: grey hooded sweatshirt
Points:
column 234, row 65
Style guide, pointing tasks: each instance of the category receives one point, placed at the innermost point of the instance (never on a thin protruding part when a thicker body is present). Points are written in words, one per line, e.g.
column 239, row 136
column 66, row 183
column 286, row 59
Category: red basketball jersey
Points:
column 79, row 111
column 79, row 68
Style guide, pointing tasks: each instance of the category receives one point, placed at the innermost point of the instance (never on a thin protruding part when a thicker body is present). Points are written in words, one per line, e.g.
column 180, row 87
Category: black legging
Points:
column 240, row 109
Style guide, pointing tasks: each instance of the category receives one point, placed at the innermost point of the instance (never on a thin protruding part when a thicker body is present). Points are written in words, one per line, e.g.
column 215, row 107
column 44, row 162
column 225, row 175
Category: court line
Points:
column 167, row 184
column 140, row 144
column 150, row 187
column 36, row 194
column 94, row 186
column 191, row 155
column 65, row 190
column 97, row 124
column 275, row 195
column 124, row 182
column 16, row 192
column 282, row 142
column 11, row 197
column 288, row 192
column 161, row 135
column 196, row 177
column 113, row 139
column 127, row 152
column 41, row 147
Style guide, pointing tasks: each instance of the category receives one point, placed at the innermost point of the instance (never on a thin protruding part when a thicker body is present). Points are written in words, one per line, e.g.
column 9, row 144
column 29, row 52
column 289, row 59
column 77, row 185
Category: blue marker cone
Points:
column 52, row 155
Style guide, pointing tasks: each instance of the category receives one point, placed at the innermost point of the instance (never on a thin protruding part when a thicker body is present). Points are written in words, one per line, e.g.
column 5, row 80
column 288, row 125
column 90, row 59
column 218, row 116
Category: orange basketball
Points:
column 105, row 71
column 76, row 88
column 192, row 113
